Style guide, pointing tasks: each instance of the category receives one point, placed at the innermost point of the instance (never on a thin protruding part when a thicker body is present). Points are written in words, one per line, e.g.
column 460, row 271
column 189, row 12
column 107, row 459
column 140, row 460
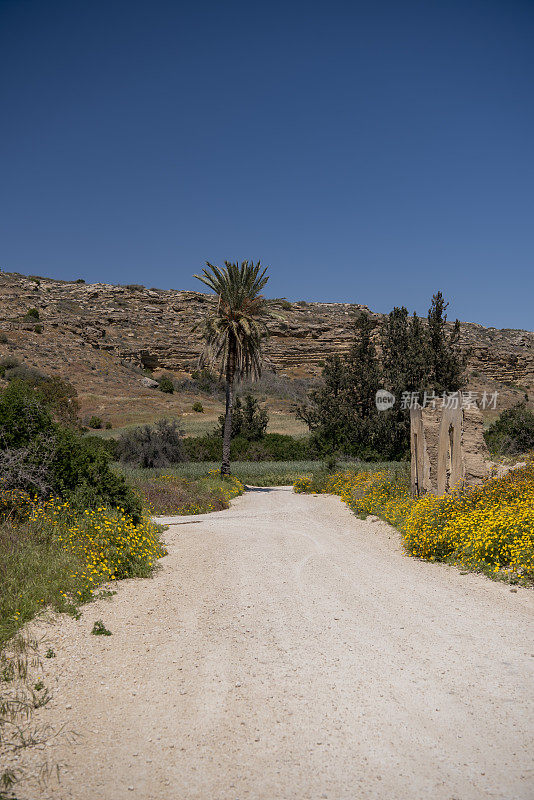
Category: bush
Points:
column 166, row 384
column 198, row 407
column 24, row 373
column 61, row 399
column 204, row 381
column 82, row 474
column 272, row 447
column 108, row 426
column 9, row 362
column 3, row 338
column 108, row 446
column 38, row 328
column 79, row 280
column 156, row 445
column 23, row 417
column 249, row 420
column 57, row 395
column 513, row 432
column 95, row 422
column 40, row 457
column 32, row 314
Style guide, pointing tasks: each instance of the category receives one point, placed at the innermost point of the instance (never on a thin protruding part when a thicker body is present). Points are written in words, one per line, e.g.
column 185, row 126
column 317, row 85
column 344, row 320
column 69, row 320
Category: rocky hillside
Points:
column 101, row 336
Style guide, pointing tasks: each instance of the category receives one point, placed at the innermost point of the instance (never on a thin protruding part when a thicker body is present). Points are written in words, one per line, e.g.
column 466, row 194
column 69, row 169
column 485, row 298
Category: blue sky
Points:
column 368, row 152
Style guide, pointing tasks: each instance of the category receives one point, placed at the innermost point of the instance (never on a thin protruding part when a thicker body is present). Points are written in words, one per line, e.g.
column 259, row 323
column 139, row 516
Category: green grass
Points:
column 253, row 473
column 35, row 572
column 195, row 424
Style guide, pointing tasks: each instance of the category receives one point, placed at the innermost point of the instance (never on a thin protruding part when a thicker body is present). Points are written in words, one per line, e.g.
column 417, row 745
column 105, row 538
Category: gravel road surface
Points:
column 286, row 649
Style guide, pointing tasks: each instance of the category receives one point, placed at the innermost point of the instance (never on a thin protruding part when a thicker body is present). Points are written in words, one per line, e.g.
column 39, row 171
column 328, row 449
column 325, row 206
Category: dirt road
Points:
column 287, row 650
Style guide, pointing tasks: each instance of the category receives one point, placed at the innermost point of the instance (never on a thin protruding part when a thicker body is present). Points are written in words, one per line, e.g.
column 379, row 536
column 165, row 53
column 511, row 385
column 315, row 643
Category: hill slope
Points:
column 101, row 337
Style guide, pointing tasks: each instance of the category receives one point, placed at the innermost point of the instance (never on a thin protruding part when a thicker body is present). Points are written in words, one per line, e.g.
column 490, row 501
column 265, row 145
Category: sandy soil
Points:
column 288, row 650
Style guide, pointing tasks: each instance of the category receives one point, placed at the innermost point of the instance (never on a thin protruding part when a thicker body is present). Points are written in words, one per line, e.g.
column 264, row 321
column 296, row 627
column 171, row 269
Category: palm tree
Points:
column 233, row 332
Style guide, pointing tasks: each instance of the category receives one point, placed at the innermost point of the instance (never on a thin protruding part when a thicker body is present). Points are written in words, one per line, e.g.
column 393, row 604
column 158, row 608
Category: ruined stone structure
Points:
column 447, row 448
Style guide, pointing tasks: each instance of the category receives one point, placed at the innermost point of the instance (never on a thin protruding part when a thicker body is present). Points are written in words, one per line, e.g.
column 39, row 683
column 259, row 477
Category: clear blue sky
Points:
column 368, row 152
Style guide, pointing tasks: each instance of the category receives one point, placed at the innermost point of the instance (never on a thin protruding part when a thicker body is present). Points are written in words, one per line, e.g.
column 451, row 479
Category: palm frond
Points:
column 239, row 321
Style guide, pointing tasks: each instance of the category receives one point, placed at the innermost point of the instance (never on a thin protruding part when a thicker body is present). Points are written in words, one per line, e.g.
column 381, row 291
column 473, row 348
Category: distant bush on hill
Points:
column 203, row 380
column 24, row 373
column 9, row 362
column 166, row 384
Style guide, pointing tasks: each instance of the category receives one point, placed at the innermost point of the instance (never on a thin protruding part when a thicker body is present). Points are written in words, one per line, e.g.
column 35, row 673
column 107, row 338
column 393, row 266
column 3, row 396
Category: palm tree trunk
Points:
column 227, row 432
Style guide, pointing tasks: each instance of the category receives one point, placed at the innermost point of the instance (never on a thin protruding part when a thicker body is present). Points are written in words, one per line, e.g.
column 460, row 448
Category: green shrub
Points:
column 156, row 445
column 32, row 314
column 38, row 328
column 95, row 422
column 170, row 494
column 79, row 280
column 166, row 384
column 3, row 338
column 249, row 419
column 203, row 380
column 108, row 426
column 82, row 474
column 40, row 457
column 23, row 416
column 61, row 399
column 198, row 407
column 108, row 446
column 513, row 432
column 272, row 447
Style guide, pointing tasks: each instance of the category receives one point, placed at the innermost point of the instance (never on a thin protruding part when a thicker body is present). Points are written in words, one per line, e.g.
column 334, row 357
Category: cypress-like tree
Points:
column 447, row 364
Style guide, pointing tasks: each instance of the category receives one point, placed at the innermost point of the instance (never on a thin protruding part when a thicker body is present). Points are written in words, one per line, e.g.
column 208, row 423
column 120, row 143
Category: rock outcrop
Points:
column 93, row 327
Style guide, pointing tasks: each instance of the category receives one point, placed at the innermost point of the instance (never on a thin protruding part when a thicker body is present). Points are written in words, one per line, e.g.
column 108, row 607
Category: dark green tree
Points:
column 513, row 432
column 447, row 363
column 342, row 412
column 249, row 419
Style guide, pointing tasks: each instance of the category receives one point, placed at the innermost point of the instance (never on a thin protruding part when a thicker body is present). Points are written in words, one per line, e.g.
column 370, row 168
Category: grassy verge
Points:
column 164, row 492
column 254, row 473
column 489, row 528
column 55, row 556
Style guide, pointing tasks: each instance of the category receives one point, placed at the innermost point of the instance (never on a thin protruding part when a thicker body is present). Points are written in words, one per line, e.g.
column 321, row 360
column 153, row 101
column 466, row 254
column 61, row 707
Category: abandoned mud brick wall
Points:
column 447, row 449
